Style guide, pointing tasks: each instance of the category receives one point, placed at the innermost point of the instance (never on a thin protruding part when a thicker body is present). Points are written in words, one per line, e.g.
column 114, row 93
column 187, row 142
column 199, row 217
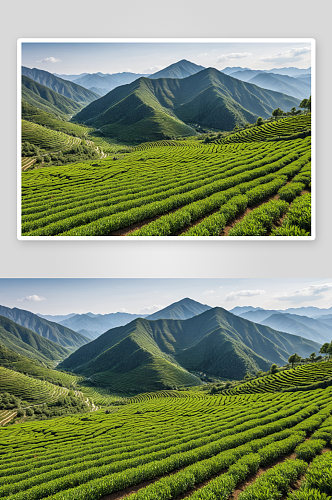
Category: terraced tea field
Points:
column 207, row 447
column 50, row 140
column 301, row 376
column 177, row 188
column 30, row 390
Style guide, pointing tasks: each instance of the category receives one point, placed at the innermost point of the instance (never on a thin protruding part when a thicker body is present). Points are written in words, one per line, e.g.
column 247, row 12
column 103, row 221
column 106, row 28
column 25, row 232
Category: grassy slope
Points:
column 300, row 376
column 46, row 99
column 54, row 332
column 66, row 88
column 28, row 343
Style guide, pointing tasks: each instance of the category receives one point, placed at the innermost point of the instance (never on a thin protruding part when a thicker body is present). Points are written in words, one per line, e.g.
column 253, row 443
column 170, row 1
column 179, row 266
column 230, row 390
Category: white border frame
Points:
column 311, row 41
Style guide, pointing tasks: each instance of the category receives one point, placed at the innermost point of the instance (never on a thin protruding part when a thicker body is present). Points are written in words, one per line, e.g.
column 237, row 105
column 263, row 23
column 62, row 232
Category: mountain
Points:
column 230, row 70
column 52, row 331
column 216, row 342
column 282, row 83
column 292, row 71
column 56, row 318
column 149, row 109
column 258, row 316
column 180, row 69
column 300, row 325
column 104, row 83
column 310, row 311
column 99, row 323
column 46, row 99
column 66, row 88
column 92, row 325
column 279, row 83
column 238, row 310
column 71, row 78
column 27, row 343
column 183, row 309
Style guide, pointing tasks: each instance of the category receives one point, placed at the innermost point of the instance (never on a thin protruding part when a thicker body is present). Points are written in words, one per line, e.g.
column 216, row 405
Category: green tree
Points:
column 277, row 112
column 274, row 368
column 294, row 358
column 329, row 350
column 312, row 356
column 323, row 349
column 306, row 104
column 259, row 121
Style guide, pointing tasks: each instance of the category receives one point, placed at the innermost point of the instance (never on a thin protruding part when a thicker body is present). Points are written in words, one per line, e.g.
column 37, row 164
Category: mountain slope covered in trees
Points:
column 149, row 109
column 216, row 342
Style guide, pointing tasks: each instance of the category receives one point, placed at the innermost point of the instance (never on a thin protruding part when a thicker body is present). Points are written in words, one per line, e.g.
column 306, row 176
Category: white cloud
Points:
column 233, row 55
column 312, row 292
column 203, row 54
column 150, row 309
column 31, row 298
column 49, row 59
column 244, row 293
column 287, row 55
column 153, row 69
column 209, row 292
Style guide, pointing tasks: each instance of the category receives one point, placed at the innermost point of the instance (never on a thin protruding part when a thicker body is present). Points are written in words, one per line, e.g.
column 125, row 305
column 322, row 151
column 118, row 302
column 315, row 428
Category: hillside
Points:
column 149, row 109
column 47, row 99
column 65, row 88
column 215, row 342
column 193, row 187
column 53, row 331
column 194, row 446
column 295, row 378
column 30, row 344
column 183, row 309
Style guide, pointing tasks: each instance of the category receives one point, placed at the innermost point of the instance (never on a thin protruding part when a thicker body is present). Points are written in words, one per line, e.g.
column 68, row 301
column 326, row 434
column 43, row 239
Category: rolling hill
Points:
column 65, row 88
column 149, row 355
column 48, row 100
column 52, row 331
column 28, row 343
column 149, row 109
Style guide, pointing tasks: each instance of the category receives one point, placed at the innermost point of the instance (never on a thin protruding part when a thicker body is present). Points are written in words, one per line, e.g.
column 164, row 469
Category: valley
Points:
column 187, row 151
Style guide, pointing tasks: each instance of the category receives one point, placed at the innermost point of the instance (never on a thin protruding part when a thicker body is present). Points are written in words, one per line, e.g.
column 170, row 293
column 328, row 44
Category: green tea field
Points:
column 249, row 446
column 256, row 182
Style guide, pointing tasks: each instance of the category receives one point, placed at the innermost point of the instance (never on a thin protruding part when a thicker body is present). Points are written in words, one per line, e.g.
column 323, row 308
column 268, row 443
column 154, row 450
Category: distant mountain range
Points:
column 58, row 334
column 46, row 99
column 92, row 325
column 102, row 83
column 305, row 322
column 149, row 109
column 27, row 343
column 66, row 88
column 293, row 86
column 292, row 71
column 179, row 100
column 148, row 355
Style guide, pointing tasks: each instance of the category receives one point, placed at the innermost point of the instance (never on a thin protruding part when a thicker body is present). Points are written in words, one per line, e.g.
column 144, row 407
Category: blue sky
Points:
column 139, row 295
column 76, row 58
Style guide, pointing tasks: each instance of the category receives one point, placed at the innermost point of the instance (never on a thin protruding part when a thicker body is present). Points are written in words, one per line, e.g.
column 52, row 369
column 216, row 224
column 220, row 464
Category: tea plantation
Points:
column 250, row 184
